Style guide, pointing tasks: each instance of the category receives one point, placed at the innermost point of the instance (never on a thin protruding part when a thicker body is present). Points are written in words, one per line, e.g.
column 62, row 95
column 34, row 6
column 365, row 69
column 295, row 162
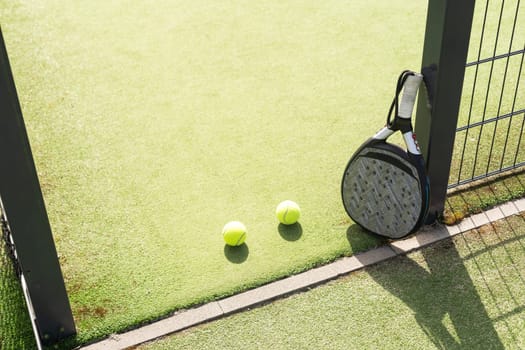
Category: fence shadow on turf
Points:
column 508, row 238
column 438, row 288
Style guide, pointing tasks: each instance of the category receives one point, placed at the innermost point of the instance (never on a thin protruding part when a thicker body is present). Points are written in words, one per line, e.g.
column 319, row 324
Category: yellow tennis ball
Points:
column 288, row 212
column 234, row 233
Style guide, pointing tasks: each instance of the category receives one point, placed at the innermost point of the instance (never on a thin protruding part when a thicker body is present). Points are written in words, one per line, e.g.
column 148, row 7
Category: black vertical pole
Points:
column 26, row 213
column 445, row 51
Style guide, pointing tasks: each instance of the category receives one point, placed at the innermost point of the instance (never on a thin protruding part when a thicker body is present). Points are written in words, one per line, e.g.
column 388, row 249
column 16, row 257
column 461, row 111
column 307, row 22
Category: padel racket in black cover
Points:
column 385, row 188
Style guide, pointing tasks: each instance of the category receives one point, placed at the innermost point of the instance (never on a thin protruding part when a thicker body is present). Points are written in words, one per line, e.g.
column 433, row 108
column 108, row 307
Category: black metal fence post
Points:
column 26, row 213
column 445, row 51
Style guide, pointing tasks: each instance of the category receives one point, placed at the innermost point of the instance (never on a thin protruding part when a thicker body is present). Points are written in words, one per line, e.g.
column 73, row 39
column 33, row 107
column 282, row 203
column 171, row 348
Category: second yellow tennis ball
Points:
column 288, row 212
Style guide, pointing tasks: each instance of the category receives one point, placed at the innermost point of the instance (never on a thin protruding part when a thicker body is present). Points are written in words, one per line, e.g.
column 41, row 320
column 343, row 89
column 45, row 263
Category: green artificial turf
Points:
column 464, row 293
column 154, row 125
column 15, row 326
column 483, row 195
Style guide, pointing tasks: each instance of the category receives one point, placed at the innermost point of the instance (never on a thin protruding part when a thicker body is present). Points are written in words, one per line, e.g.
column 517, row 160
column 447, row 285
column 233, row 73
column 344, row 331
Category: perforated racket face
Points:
column 382, row 192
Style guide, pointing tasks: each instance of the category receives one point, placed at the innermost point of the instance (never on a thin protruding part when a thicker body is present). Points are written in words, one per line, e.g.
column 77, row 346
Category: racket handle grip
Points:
column 409, row 95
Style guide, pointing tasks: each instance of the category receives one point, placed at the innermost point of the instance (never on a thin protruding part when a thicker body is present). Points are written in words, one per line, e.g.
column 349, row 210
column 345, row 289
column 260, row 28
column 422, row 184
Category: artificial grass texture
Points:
column 15, row 326
column 464, row 293
column 483, row 195
column 154, row 125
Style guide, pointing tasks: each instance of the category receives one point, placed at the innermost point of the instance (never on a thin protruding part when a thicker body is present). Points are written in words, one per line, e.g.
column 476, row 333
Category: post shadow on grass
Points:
column 238, row 254
column 445, row 288
column 290, row 233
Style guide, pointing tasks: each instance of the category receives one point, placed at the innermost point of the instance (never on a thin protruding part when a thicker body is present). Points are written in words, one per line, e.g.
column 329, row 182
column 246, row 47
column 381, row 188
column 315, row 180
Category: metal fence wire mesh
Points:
column 490, row 135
